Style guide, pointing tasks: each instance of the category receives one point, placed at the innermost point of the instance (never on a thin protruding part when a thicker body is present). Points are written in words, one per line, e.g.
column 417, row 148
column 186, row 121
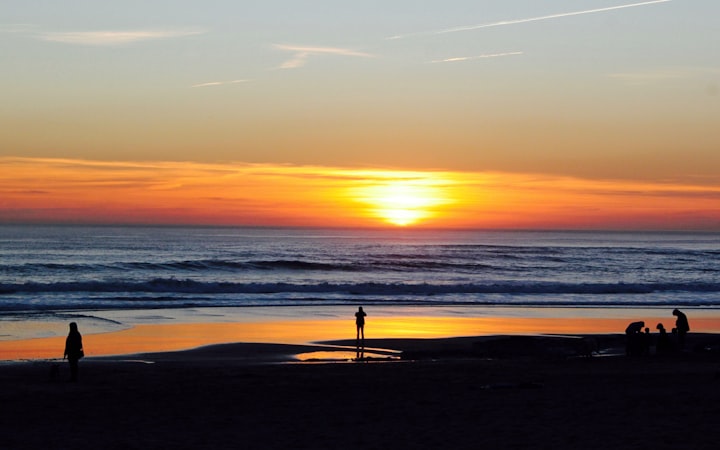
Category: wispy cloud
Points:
column 110, row 38
column 665, row 74
column 470, row 58
column 526, row 20
column 218, row 83
column 302, row 53
column 649, row 77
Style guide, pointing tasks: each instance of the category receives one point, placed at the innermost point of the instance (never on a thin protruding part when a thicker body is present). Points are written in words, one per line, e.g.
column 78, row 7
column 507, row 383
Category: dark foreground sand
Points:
column 494, row 393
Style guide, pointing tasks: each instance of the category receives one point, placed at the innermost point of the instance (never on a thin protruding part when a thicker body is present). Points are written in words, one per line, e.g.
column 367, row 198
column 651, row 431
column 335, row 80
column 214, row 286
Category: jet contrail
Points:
column 531, row 19
column 470, row 58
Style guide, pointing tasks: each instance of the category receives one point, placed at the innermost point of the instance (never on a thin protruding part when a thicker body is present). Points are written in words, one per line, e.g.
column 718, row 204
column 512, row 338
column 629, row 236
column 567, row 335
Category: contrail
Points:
column 531, row 19
column 217, row 83
column 470, row 58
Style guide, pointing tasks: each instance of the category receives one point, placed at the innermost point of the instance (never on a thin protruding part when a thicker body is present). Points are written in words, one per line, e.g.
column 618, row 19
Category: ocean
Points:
column 59, row 270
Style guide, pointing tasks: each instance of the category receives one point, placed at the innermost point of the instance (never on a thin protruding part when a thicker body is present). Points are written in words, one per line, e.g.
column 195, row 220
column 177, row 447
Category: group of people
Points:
column 640, row 340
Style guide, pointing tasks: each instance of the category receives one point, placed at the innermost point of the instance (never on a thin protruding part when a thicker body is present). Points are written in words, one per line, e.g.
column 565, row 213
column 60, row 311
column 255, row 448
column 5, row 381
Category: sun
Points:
column 402, row 202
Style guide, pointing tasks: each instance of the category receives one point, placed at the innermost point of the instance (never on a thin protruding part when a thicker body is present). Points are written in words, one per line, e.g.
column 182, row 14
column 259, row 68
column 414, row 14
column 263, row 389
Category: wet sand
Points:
column 472, row 392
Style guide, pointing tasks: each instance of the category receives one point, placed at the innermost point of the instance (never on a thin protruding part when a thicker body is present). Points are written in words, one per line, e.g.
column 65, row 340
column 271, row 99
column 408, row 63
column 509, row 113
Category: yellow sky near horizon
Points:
column 38, row 190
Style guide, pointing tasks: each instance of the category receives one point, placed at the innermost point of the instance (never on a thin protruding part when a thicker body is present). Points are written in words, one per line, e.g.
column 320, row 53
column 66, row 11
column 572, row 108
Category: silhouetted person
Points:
column 647, row 342
column 633, row 333
column 663, row 345
column 73, row 350
column 360, row 333
column 682, row 326
column 635, row 327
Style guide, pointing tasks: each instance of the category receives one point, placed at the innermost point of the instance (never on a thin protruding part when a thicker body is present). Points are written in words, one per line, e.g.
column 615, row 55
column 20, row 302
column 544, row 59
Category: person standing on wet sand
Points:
column 73, row 350
column 682, row 326
column 663, row 345
column 360, row 326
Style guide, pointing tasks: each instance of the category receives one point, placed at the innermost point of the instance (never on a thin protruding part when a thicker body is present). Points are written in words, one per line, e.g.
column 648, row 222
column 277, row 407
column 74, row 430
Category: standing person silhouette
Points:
column 663, row 342
column 73, row 350
column 360, row 333
column 682, row 326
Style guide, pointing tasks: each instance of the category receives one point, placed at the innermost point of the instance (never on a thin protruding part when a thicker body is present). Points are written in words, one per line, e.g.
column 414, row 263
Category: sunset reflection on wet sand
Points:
column 147, row 338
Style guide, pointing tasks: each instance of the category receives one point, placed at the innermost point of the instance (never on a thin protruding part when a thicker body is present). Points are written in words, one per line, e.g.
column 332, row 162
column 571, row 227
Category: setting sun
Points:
column 403, row 202
column 35, row 190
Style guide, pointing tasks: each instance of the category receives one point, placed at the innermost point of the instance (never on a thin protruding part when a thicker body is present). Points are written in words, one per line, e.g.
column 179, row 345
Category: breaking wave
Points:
column 173, row 285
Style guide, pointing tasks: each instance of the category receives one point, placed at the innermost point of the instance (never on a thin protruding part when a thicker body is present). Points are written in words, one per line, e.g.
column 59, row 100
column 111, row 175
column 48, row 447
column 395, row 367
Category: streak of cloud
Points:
column 302, row 53
column 470, row 58
column 666, row 74
column 218, row 83
column 526, row 20
column 110, row 38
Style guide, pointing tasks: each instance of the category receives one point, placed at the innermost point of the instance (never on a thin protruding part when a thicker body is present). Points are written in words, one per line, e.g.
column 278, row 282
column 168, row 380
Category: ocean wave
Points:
column 198, row 266
column 189, row 286
column 227, row 266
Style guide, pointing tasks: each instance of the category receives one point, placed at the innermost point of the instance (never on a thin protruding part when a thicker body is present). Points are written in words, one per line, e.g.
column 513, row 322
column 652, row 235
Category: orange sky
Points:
column 83, row 191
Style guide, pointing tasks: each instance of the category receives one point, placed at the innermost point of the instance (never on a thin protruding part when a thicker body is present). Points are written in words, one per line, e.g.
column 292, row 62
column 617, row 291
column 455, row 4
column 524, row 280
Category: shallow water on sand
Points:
column 129, row 332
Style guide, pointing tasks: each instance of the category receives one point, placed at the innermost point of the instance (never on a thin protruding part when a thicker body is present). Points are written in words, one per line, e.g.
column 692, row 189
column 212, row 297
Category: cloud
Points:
column 218, row 83
column 665, row 74
column 526, row 20
column 109, row 38
column 470, row 58
column 302, row 53
column 647, row 77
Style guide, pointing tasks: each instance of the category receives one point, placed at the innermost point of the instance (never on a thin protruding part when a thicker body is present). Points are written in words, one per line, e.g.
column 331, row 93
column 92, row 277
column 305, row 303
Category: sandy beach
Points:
column 471, row 392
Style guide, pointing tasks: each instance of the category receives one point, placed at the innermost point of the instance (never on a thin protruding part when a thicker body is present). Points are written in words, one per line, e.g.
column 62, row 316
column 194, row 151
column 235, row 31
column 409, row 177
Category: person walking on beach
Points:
column 73, row 350
column 682, row 326
column 360, row 330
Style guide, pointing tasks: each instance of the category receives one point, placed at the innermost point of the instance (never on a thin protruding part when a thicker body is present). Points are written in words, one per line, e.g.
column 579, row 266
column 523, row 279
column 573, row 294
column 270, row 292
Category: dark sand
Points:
column 490, row 392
